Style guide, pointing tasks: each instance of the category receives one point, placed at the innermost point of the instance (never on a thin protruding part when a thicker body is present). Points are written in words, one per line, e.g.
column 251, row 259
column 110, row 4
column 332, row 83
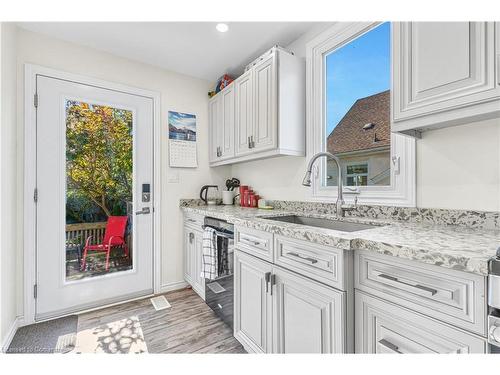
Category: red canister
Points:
column 254, row 199
column 243, row 188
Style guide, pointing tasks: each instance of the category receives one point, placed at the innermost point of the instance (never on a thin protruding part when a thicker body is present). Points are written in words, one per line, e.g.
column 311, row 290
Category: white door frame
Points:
column 29, row 207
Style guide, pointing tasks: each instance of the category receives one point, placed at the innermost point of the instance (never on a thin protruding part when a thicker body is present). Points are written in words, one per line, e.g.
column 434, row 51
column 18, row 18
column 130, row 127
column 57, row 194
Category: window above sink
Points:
column 349, row 69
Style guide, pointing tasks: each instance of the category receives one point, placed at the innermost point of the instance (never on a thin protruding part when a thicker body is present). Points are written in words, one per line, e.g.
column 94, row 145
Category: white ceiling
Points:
column 192, row 48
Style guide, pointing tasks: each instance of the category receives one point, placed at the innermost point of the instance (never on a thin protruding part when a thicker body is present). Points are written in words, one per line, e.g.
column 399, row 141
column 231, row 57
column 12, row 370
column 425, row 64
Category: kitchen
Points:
column 336, row 192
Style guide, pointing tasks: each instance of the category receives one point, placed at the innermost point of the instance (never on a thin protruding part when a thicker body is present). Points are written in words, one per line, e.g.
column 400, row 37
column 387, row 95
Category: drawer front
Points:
column 254, row 242
column 194, row 221
column 455, row 297
column 382, row 327
column 321, row 263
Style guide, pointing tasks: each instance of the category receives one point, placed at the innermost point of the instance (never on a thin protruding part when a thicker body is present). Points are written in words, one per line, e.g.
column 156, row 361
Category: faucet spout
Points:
column 307, row 178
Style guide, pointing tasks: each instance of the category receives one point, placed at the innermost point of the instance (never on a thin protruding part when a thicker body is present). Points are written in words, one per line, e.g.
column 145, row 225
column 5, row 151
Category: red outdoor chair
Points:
column 114, row 236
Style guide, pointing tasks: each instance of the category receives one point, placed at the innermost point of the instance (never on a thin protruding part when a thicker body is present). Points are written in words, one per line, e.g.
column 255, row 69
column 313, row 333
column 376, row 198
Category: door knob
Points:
column 144, row 211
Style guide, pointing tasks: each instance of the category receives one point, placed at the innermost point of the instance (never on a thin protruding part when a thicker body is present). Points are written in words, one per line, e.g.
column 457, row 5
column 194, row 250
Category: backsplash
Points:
column 469, row 219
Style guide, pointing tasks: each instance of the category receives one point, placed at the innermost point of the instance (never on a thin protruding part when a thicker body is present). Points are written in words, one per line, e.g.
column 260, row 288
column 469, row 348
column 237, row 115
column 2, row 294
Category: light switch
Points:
column 173, row 177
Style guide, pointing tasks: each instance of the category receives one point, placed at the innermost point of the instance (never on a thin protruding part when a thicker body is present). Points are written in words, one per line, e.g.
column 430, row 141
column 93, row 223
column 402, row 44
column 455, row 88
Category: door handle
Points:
column 144, row 211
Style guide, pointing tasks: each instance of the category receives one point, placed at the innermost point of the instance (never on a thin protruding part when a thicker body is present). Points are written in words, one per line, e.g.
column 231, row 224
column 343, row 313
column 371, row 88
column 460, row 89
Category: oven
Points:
column 219, row 291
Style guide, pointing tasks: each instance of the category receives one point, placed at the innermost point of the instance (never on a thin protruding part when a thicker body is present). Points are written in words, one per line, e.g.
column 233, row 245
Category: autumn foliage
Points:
column 98, row 161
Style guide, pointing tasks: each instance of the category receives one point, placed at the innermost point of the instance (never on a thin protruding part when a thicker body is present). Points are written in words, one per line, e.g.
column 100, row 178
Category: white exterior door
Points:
column 94, row 163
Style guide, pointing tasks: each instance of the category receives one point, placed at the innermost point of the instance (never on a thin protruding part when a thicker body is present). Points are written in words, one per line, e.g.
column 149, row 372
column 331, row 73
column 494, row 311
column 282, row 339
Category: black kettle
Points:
column 209, row 198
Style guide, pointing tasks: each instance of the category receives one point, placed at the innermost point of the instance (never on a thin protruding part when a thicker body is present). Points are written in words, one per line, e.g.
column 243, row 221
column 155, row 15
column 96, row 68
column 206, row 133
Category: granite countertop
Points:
column 449, row 246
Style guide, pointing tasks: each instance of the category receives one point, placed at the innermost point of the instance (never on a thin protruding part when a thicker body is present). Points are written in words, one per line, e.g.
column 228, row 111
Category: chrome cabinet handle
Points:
column 389, row 345
column 191, row 220
column 267, row 277
column 191, row 237
column 273, row 282
column 252, row 143
column 144, row 211
column 255, row 243
column 312, row 260
column 421, row 288
column 249, row 144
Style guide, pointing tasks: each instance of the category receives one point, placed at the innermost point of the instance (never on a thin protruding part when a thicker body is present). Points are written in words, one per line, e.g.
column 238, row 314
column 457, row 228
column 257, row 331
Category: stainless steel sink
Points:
column 340, row 225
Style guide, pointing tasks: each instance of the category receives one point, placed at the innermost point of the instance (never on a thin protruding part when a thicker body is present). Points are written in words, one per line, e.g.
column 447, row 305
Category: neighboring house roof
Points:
column 349, row 135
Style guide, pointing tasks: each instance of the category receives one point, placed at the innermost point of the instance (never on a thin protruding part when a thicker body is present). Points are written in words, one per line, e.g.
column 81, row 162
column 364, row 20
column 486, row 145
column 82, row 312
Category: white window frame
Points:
column 401, row 192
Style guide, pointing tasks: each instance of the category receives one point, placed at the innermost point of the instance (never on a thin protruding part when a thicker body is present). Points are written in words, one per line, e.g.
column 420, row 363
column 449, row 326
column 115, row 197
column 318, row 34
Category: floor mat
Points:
column 121, row 336
column 55, row 336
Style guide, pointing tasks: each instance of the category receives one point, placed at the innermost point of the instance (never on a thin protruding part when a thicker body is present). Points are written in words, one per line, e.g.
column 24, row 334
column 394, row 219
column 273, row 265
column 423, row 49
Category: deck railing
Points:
column 78, row 233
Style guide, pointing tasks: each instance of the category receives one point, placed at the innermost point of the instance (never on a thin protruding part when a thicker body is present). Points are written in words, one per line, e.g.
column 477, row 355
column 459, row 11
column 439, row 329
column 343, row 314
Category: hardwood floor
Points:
column 189, row 326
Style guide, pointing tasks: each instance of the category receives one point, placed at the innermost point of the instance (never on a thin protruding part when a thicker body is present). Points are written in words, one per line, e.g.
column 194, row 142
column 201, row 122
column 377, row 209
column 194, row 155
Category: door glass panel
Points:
column 357, row 85
column 99, row 170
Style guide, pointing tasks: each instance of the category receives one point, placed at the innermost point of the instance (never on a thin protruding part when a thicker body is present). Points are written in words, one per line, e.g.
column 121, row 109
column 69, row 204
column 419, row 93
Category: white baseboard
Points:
column 12, row 331
column 176, row 285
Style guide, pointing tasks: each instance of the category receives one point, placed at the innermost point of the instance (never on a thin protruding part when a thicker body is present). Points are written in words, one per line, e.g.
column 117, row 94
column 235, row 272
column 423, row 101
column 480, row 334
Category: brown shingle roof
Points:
column 349, row 134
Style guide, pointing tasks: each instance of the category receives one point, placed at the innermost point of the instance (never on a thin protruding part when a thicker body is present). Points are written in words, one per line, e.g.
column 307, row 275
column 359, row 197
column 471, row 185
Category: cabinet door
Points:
column 244, row 112
column 440, row 66
column 214, row 108
column 309, row 317
column 189, row 255
column 252, row 300
column 382, row 327
column 226, row 126
column 199, row 281
column 265, row 104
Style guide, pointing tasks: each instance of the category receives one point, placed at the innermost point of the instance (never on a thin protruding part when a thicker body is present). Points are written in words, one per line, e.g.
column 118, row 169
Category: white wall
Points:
column 178, row 92
column 457, row 167
column 8, row 188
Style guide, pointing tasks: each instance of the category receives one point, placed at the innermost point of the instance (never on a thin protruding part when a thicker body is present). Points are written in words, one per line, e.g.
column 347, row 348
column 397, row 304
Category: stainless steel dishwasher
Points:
column 219, row 293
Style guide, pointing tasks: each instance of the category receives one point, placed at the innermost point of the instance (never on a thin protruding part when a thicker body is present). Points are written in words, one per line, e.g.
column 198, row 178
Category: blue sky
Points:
column 182, row 120
column 357, row 70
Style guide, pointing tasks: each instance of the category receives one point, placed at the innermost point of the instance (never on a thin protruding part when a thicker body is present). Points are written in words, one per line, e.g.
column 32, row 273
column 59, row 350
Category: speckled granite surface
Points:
column 451, row 246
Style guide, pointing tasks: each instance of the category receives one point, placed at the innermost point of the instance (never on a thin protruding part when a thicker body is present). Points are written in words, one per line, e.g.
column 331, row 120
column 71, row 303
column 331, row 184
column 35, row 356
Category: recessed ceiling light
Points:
column 222, row 27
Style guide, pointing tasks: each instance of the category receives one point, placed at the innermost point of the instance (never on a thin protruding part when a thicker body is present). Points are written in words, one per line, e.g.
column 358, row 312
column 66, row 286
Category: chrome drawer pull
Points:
column 312, row 260
column 389, row 345
column 191, row 220
column 425, row 289
column 256, row 243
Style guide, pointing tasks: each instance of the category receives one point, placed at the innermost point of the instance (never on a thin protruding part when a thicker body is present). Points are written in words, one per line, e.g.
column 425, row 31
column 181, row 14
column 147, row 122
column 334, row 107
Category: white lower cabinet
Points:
column 252, row 303
column 189, row 254
column 308, row 316
column 277, row 311
column 193, row 246
column 382, row 327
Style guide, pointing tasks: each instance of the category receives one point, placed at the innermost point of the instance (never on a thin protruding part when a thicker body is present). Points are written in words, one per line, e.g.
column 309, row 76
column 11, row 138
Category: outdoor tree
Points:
column 99, row 158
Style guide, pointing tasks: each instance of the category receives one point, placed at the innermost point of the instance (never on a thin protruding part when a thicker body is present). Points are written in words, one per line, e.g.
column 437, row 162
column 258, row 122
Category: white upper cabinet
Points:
column 268, row 109
column 226, row 125
column 244, row 112
column 444, row 74
column 214, row 116
column 221, row 115
column 265, row 125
